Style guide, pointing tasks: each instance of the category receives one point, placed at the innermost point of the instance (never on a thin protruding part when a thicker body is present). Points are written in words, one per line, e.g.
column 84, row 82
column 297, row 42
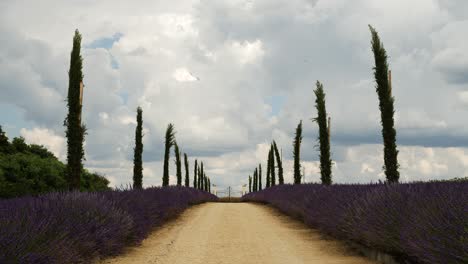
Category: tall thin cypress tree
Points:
column 255, row 176
column 200, row 177
column 206, row 183
column 195, row 170
column 268, row 179
column 178, row 165
column 75, row 130
column 324, row 135
column 272, row 169
column 280, row 163
column 386, row 101
column 260, row 177
column 296, row 154
column 187, row 179
column 250, row 184
column 138, row 151
column 169, row 142
column 209, row 185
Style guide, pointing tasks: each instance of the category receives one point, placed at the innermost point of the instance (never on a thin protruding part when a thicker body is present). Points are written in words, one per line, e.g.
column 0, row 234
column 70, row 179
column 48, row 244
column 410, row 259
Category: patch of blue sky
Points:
column 276, row 102
column 12, row 120
column 105, row 42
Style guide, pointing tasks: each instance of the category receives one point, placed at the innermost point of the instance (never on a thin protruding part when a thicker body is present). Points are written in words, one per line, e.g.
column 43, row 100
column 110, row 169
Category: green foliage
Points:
column 169, row 142
column 200, row 177
column 272, row 167
column 255, row 180
column 296, row 154
column 5, row 146
column 178, row 165
column 187, row 180
column 250, row 184
column 260, row 177
column 35, row 170
column 386, row 101
column 209, row 185
column 138, row 152
column 324, row 136
column 75, row 130
column 205, row 181
column 195, row 170
column 280, row 164
column 268, row 179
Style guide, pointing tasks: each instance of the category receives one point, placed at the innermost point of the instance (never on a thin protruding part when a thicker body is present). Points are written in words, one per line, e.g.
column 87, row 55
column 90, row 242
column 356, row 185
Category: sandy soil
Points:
column 236, row 233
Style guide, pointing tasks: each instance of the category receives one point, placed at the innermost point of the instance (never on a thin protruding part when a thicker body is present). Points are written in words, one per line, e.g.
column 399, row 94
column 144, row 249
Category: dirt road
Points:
column 236, row 233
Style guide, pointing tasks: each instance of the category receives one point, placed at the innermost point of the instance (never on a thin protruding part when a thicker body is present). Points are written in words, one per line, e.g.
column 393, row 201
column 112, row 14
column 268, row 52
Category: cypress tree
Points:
column 75, row 130
column 280, row 163
column 178, row 165
column 272, row 169
column 324, row 135
column 296, row 154
column 250, row 184
column 268, row 180
column 169, row 142
column 386, row 101
column 255, row 180
column 138, row 151
column 195, row 170
column 209, row 185
column 200, row 177
column 206, row 183
column 187, row 180
column 260, row 177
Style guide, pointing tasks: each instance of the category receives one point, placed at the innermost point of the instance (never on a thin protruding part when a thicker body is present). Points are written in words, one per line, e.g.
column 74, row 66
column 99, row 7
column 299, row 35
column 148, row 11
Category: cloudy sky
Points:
column 233, row 75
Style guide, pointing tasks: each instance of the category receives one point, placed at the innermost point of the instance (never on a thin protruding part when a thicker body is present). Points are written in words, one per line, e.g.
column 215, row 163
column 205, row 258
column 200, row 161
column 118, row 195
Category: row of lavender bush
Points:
column 78, row 227
column 420, row 222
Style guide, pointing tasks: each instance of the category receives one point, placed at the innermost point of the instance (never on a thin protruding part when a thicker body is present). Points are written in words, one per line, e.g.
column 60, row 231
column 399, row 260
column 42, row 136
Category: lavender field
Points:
column 78, row 227
column 417, row 222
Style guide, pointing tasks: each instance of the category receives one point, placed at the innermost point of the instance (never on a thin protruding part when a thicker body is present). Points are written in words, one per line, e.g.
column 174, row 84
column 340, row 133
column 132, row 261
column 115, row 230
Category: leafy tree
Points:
column 280, row 163
column 296, row 154
column 260, row 177
column 20, row 145
column 206, row 183
column 187, row 180
column 195, row 170
column 41, row 151
column 268, row 179
column 250, row 184
column 324, row 135
column 272, row 168
column 169, row 142
column 5, row 146
column 386, row 101
column 178, row 165
column 138, row 151
column 35, row 170
column 75, row 130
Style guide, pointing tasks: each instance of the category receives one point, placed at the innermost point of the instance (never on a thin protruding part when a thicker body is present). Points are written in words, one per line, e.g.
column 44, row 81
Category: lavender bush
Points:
column 420, row 222
column 78, row 227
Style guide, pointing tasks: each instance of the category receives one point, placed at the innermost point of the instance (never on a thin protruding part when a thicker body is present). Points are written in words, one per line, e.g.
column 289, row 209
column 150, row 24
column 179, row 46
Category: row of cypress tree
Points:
column 76, row 130
column 386, row 106
column 200, row 180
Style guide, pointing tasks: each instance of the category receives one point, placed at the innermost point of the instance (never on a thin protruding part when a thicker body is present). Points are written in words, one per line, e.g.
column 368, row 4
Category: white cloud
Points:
column 244, row 52
column 183, row 75
column 47, row 138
